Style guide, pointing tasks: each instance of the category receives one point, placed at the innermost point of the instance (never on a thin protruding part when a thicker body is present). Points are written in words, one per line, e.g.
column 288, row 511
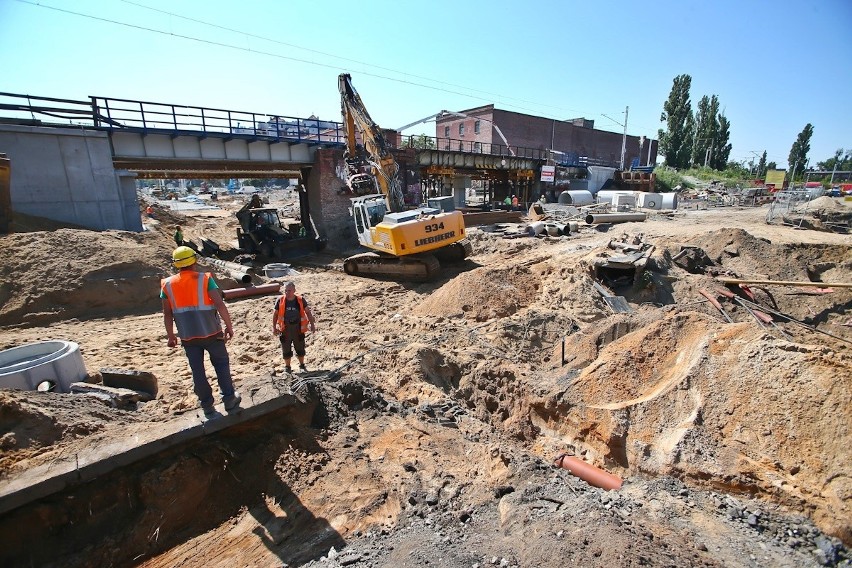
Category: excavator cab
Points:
column 368, row 211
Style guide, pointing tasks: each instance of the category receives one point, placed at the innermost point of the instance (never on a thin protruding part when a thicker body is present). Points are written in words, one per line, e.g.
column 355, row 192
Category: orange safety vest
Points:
column 193, row 309
column 282, row 307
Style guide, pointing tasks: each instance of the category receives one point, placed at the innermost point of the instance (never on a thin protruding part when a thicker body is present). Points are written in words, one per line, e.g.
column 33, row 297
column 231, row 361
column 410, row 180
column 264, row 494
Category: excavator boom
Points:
column 379, row 157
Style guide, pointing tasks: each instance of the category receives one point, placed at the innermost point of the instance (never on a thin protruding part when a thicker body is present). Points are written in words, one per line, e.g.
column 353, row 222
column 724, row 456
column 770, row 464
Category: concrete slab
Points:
column 141, row 441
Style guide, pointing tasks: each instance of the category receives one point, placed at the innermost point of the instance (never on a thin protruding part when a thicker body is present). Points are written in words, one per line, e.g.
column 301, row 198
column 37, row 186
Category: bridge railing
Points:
column 30, row 109
column 472, row 147
column 571, row 159
column 150, row 116
column 127, row 114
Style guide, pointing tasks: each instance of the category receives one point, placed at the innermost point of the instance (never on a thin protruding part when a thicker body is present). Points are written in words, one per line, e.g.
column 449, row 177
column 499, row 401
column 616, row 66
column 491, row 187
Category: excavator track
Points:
column 455, row 252
column 415, row 268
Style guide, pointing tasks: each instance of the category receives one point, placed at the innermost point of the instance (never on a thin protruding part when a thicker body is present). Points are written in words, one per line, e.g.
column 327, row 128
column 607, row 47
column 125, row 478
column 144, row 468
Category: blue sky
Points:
column 775, row 65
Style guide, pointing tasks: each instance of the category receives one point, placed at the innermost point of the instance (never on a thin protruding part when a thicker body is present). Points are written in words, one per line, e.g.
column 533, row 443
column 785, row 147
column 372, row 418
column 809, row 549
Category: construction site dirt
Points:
column 426, row 431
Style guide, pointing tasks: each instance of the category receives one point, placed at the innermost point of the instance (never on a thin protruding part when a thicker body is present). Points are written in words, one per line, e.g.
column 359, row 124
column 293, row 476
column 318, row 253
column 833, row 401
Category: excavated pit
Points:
column 454, row 399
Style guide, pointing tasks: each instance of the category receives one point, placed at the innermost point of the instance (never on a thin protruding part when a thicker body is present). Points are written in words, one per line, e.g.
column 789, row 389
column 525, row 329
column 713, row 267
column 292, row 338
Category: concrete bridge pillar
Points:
column 67, row 175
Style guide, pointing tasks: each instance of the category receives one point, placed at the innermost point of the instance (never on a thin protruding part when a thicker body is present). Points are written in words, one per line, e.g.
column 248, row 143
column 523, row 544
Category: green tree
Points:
column 842, row 161
column 721, row 144
column 771, row 166
column 761, row 165
column 706, row 126
column 421, row 142
column 676, row 141
column 799, row 151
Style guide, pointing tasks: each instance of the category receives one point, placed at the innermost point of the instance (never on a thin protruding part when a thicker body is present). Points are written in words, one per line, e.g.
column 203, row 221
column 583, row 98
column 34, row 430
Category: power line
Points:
column 404, row 73
column 294, row 59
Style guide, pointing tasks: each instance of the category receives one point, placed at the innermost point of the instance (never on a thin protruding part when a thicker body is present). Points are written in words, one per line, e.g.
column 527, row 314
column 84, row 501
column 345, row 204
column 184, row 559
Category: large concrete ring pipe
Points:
column 576, row 197
column 57, row 362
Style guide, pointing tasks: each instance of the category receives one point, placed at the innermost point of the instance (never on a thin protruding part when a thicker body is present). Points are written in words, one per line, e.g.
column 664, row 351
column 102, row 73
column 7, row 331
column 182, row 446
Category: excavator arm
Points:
column 384, row 174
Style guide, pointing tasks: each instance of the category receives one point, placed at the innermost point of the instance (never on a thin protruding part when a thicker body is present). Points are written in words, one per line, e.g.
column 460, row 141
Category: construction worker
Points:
column 178, row 236
column 291, row 320
column 193, row 301
column 515, row 202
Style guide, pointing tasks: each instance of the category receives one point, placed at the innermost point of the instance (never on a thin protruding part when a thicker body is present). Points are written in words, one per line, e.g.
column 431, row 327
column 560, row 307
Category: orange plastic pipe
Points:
column 589, row 473
column 251, row 291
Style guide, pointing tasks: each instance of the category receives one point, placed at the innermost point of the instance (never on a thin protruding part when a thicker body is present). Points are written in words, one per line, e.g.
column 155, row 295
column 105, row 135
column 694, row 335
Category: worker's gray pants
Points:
column 195, row 349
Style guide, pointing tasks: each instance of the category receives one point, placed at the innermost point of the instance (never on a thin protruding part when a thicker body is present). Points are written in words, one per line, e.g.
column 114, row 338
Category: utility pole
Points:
column 624, row 138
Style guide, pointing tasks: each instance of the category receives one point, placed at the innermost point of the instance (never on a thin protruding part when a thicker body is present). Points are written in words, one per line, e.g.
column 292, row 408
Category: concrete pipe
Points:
column 233, row 270
column 535, row 229
column 251, row 291
column 571, row 227
column 595, row 219
column 276, row 270
column 552, row 229
column 669, row 200
column 576, row 197
column 233, row 266
column 589, row 473
column 607, row 195
column 56, row 362
column 650, row 200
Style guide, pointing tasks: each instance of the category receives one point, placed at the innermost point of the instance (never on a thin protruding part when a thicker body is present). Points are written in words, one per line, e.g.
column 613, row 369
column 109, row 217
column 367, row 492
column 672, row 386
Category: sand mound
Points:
column 726, row 405
column 824, row 203
column 70, row 273
column 740, row 252
column 34, row 421
column 483, row 293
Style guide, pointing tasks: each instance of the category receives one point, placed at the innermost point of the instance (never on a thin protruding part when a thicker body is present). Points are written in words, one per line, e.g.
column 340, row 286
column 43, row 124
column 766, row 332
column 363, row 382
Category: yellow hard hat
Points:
column 183, row 256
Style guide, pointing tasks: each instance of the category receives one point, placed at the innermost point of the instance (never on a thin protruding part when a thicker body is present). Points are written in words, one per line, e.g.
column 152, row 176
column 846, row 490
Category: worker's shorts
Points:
column 297, row 343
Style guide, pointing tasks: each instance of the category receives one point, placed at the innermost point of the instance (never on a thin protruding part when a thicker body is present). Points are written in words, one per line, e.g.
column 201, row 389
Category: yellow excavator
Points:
column 407, row 244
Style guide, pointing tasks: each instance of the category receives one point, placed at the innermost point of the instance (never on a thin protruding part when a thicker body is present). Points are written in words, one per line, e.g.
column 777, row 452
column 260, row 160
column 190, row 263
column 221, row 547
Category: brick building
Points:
column 576, row 141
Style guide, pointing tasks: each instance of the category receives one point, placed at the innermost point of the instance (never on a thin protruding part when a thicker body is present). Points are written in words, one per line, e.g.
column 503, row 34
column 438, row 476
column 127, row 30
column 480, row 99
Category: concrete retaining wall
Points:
column 67, row 175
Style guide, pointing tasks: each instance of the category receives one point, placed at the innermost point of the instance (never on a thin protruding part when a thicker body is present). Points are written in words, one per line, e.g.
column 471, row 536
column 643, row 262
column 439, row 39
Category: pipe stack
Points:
column 233, row 270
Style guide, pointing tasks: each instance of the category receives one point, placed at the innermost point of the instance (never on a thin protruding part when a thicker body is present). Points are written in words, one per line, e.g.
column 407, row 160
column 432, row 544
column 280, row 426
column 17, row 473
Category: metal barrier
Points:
column 786, row 203
column 110, row 114
column 142, row 116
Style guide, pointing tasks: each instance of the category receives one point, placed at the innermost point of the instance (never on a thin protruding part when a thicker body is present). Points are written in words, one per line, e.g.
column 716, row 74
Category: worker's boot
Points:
column 302, row 368
column 288, row 369
column 231, row 402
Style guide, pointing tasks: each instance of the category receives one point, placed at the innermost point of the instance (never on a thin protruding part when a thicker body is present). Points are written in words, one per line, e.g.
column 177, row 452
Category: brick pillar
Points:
column 329, row 205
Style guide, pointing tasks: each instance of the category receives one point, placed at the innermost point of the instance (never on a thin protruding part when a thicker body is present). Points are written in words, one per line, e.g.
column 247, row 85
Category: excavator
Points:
column 406, row 244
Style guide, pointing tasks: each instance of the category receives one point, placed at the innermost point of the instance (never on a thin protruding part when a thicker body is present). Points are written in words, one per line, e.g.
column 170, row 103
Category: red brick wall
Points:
column 539, row 132
column 330, row 207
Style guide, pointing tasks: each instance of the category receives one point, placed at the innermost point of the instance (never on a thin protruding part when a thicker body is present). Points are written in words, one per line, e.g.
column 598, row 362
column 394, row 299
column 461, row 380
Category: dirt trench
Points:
column 157, row 503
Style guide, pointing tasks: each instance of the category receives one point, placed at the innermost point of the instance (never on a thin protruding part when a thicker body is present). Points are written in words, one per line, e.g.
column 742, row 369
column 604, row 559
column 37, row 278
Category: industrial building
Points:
column 574, row 142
